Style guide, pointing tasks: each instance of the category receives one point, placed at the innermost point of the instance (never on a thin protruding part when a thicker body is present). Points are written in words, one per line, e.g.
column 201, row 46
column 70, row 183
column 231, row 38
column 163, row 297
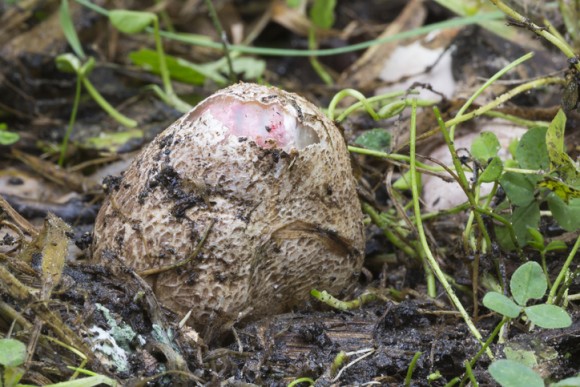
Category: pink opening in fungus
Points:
column 270, row 126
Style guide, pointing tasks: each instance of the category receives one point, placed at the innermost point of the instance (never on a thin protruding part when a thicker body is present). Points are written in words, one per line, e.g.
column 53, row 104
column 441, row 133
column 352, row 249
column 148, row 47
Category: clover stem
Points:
column 563, row 271
column 421, row 231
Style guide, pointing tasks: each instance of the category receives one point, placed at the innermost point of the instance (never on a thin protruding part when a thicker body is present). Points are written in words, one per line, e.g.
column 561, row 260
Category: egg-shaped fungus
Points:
column 267, row 177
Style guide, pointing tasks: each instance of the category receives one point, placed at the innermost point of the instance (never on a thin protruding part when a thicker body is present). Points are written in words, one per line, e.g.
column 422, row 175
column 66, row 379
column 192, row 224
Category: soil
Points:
column 376, row 341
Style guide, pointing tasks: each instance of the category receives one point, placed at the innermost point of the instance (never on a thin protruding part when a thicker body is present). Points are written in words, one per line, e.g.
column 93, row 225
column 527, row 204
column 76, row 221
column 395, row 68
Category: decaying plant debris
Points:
column 108, row 319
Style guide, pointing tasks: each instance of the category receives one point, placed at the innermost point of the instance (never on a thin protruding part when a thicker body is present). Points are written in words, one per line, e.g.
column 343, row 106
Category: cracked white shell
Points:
column 273, row 176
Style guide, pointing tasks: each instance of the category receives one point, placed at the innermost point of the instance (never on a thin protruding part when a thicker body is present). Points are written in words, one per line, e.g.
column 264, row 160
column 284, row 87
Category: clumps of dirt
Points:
column 127, row 331
column 383, row 337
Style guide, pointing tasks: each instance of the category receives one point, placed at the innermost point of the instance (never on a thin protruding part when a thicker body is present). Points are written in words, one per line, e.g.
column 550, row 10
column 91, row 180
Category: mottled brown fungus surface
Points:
column 273, row 176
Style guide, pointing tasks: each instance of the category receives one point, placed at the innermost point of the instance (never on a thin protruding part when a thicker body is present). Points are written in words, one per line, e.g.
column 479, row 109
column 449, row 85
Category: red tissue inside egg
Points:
column 268, row 125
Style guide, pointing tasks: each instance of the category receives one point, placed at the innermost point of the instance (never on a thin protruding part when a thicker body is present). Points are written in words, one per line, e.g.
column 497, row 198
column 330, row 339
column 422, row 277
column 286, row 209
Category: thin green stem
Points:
column 485, row 207
column 453, row 382
column 570, row 13
column 429, row 277
column 574, row 297
column 494, row 78
column 338, row 361
column 563, row 271
column 461, row 177
column 553, row 30
column 315, row 63
column 525, row 171
column 170, row 97
column 296, row 382
column 469, row 224
column 120, row 118
column 162, row 62
column 393, row 157
column 486, row 345
column 451, row 211
column 469, row 373
column 515, row 119
column 454, row 23
column 202, row 41
column 504, row 98
column 560, row 44
column 498, row 101
column 72, row 120
column 397, row 107
column 489, row 197
column 545, row 267
column 165, row 18
column 508, row 225
column 224, row 38
column 422, row 237
column 330, row 300
column 376, row 98
column 351, row 93
column 394, row 239
column 412, row 366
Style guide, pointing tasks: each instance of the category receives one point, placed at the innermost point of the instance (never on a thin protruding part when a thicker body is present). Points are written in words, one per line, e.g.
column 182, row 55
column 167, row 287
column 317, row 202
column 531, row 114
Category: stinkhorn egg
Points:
column 267, row 177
